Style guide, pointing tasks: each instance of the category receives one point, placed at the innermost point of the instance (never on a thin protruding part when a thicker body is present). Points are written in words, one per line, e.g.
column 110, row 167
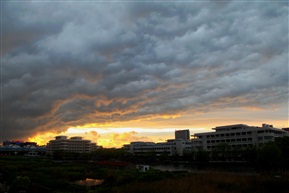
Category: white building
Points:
column 171, row 147
column 143, row 168
column 74, row 144
column 237, row 136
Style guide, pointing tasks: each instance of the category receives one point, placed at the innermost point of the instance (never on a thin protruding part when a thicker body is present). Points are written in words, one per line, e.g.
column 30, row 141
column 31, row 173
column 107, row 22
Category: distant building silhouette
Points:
column 182, row 134
column 19, row 143
column 21, row 148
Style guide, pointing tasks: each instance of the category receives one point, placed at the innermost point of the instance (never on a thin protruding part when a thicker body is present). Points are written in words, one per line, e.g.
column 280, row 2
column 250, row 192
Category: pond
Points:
column 175, row 167
column 89, row 182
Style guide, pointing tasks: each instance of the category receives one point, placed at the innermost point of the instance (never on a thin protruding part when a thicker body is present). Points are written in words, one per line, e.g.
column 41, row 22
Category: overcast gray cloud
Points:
column 66, row 64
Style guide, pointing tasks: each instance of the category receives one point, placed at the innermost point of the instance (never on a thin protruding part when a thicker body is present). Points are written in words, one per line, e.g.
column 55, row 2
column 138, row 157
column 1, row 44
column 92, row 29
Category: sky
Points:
column 121, row 71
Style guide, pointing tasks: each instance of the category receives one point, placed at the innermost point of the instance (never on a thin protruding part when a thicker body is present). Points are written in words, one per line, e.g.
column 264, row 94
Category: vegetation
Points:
column 216, row 182
column 58, row 174
column 41, row 175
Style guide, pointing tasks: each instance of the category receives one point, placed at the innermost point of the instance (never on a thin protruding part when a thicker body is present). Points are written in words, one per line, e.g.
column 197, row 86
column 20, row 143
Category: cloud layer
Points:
column 67, row 64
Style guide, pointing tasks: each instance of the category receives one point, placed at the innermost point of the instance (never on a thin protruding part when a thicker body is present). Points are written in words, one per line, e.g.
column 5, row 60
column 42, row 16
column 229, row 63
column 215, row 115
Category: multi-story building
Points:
column 237, row 136
column 74, row 144
column 171, row 147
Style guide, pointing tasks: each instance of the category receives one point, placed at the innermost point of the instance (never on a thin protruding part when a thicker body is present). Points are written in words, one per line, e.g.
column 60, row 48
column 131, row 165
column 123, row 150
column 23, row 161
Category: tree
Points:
column 58, row 155
column 202, row 156
column 250, row 154
column 223, row 151
column 189, row 155
column 283, row 144
column 21, row 183
column 269, row 156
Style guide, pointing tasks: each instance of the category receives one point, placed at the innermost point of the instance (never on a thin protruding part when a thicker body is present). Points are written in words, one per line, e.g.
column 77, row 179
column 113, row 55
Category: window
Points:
column 268, row 137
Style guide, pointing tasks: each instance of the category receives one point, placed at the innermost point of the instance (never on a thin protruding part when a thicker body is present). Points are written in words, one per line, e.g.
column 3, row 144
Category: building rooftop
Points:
column 230, row 127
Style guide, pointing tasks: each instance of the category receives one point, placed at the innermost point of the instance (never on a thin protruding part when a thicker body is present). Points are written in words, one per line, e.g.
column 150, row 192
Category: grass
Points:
column 208, row 182
column 59, row 177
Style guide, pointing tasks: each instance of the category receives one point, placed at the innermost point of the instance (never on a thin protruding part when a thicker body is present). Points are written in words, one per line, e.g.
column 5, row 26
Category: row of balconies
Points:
column 68, row 147
column 271, row 131
column 151, row 148
column 229, row 140
column 229, row 134
column 237, row 137
column 266, row 134
column 242, row 143
column 232, row 145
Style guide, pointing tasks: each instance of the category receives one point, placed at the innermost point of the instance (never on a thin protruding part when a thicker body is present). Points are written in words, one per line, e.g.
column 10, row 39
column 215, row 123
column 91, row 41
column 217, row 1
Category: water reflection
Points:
column 89, row 182
column 174, row 167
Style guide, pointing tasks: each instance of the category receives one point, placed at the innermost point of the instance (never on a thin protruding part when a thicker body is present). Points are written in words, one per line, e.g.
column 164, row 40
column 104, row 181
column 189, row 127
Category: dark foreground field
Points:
column 209, row 182
column 42, row 175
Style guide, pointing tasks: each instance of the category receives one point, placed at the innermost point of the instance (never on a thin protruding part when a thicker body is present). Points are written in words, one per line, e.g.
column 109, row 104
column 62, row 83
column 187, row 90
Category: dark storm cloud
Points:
column 68, row 64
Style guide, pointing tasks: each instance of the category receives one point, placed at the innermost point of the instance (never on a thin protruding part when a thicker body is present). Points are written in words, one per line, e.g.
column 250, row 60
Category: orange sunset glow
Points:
column 138, row 71
column 156, row 130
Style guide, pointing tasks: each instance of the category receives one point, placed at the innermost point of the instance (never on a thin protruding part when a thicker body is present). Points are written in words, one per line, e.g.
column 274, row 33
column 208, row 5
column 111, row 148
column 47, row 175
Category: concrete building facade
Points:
column 171, row 147
column 74, row 144
column 237, row 136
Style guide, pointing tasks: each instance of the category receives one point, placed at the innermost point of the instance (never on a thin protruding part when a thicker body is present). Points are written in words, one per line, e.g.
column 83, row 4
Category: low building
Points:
column 237, row 136
column 171, row 147
column 19, row 143
column 74, row 144
column 17, row 147
column 143, row 168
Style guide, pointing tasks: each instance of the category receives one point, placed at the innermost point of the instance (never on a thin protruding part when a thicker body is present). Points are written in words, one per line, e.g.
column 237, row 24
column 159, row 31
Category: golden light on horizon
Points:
column 161, row 128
